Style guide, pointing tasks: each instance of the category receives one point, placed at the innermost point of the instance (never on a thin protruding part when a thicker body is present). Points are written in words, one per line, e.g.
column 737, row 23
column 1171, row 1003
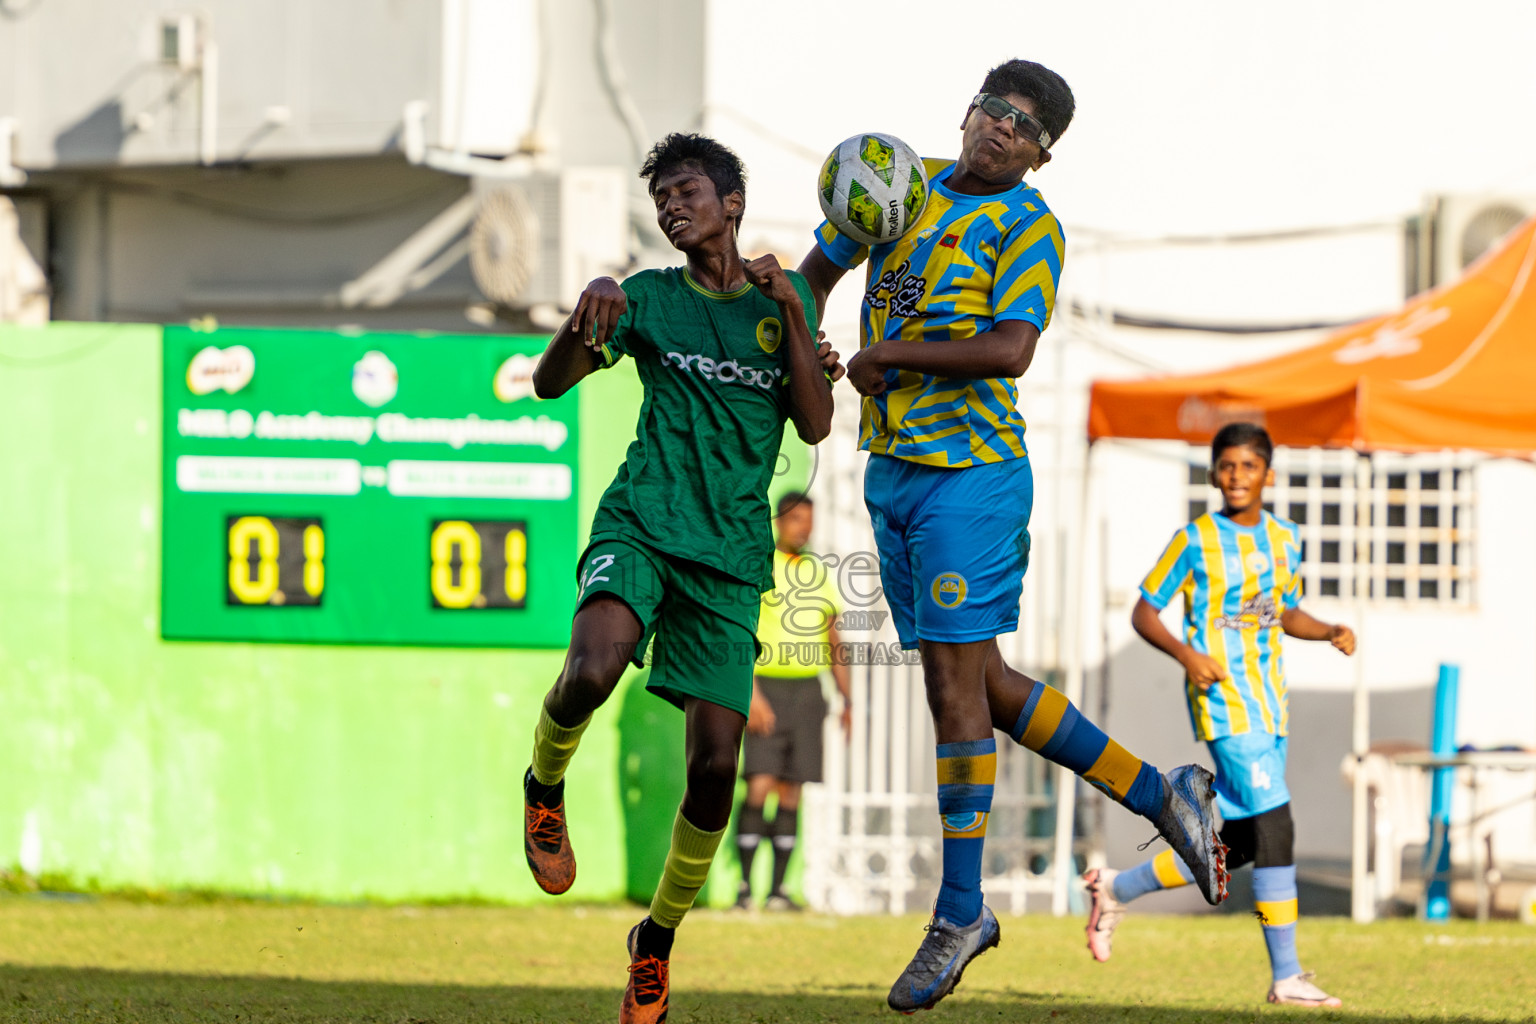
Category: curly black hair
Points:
column 701, row 153
column 1243, row 435
column 1052, row 96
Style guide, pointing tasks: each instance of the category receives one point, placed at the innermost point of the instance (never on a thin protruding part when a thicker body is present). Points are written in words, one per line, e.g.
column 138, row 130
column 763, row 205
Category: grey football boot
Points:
column 1188, row 823
column 940, row 961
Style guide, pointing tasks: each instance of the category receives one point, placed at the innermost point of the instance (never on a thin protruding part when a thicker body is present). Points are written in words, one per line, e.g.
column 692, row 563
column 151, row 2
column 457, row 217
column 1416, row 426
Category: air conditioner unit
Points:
column 1454, row 230
column 538, row 239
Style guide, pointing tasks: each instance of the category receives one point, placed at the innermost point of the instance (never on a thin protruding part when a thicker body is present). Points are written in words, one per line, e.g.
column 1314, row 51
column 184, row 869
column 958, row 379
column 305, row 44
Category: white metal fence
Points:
column 872, row 841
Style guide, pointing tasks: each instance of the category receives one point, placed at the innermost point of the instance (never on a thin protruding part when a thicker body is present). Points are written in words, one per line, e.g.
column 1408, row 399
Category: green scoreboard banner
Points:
column 365, row 489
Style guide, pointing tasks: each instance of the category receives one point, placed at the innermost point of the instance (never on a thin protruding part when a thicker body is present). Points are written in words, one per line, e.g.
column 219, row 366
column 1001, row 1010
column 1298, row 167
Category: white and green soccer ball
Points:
column 873, row 188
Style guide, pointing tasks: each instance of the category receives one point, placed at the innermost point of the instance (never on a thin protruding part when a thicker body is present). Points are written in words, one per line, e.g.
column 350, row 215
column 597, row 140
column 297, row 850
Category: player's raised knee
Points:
column 589, row 676
column 715, row 766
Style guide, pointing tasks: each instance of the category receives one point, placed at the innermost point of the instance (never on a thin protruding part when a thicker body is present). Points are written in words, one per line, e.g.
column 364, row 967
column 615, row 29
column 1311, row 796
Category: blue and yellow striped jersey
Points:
column 969, row 262
column 1236, row 581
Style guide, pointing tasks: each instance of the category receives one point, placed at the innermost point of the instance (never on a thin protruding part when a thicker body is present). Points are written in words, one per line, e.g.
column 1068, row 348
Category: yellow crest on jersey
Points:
column 769, row 333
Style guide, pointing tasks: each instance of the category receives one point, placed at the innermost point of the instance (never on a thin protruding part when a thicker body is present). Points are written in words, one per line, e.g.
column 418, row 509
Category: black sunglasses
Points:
column 1000, row 109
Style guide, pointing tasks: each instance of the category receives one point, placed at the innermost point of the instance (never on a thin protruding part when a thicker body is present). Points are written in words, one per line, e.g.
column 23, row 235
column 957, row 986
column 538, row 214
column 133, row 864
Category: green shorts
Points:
column 700, row 624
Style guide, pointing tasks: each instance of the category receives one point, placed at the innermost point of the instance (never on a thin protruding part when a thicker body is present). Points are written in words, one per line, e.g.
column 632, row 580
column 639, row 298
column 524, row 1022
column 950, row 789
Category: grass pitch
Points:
column 109, row 960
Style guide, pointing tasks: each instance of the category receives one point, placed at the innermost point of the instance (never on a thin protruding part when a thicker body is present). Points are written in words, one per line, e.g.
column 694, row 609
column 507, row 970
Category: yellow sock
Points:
column 686, row 870
column 1166, row 867
column 553, row 745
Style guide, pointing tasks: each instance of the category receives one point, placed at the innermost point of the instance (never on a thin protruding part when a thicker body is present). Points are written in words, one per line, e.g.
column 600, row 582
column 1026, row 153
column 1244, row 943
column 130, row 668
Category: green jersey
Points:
column 714, row 366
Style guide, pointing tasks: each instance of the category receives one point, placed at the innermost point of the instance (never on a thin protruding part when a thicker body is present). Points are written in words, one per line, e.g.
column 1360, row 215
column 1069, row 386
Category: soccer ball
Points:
column 872, row 188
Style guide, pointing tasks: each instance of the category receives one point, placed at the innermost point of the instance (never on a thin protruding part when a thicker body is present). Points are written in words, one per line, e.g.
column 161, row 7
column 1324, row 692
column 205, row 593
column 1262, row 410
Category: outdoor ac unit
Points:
column 1454, row 230
column 538, row 240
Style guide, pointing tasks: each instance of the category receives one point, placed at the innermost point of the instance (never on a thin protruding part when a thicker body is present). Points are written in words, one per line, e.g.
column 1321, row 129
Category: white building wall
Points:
column 291, row 78
column 622, row 76
column 311, row 201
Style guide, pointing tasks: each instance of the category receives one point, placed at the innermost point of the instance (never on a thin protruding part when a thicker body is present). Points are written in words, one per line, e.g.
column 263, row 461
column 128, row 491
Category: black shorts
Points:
column 793, row 750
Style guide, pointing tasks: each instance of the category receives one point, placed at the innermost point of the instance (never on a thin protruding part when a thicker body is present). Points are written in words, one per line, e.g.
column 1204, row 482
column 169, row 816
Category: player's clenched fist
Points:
column 865, row 372
column 598, row 310
column 769, row 278
column 1203, row 670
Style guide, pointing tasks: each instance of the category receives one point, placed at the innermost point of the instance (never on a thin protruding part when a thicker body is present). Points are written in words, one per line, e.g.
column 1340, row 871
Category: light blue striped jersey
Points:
column 1236, row 581
column 968, row 263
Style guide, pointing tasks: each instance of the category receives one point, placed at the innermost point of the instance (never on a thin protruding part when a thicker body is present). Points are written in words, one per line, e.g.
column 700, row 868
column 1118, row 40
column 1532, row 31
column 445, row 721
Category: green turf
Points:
column 110, row 960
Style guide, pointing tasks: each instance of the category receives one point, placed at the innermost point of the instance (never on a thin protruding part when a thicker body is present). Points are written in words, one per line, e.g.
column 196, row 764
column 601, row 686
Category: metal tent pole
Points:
column 1362, row 897
column 1097, row 854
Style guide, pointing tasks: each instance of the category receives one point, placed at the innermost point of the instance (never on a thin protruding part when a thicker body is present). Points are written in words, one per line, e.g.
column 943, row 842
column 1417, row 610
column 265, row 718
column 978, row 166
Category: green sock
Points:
column 686, row 870
column 553, row 745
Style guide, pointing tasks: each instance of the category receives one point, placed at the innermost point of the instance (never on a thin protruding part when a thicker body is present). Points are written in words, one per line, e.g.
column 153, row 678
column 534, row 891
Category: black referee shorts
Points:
column 793, row 750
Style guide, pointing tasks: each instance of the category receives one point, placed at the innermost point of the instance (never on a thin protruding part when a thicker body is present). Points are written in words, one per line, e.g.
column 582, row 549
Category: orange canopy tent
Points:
column 1454, row 368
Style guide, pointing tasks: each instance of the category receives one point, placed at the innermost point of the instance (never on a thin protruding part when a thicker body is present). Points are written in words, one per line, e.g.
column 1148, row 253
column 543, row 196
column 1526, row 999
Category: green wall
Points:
column 294, row 770
column 302, row 770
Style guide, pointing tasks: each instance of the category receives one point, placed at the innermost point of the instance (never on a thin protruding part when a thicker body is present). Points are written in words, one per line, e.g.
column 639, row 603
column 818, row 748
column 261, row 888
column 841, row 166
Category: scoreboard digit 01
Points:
column 275, row 561
column 372, row 489
column 479, row 565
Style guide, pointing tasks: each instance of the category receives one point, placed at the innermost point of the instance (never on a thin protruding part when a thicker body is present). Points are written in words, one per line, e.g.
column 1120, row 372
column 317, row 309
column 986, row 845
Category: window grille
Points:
column 1417, row 522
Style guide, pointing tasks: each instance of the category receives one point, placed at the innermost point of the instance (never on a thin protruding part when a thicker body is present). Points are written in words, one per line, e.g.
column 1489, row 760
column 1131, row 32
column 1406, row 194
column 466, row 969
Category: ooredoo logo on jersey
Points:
column 721, row 371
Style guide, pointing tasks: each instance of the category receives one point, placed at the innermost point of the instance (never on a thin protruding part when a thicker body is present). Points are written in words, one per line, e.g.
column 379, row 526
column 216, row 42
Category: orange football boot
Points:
column 546, row 843
column 645, row 997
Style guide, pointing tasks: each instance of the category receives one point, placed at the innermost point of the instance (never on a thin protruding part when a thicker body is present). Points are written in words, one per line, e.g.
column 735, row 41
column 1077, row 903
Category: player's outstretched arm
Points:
column 810, row 396
column 577, row 348
column 822, row 275
column 1302, row 626
column 1202, row 669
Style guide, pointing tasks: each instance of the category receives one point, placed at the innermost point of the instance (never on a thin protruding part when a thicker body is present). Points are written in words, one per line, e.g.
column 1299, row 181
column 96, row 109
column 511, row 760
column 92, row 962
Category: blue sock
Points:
column 1051, row 727
column 1274, row 898
column 1165, row 871
column 967, row 771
